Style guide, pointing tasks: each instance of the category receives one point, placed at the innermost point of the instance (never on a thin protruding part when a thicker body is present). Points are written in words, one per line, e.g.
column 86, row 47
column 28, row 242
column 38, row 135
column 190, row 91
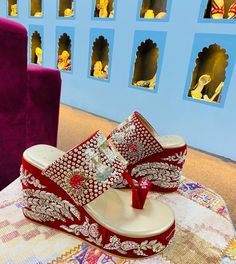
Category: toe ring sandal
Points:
column 71, row 192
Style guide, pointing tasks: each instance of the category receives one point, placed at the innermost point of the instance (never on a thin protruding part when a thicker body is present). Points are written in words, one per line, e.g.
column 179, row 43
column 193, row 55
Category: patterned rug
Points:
column 204, row 233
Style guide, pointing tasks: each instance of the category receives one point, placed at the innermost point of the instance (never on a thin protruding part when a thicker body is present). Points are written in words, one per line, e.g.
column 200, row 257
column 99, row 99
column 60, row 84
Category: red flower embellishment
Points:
column 133, row 148
column 77, row 181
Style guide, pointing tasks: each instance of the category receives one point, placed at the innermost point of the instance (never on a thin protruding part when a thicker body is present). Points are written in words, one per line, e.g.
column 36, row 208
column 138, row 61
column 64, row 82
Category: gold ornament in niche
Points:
column 36, row 8
column 209, row 74
column 100, row 58
column 12, row 8
column 66, row 8
column 145, row 66
column 153, row 9
column 104, row 8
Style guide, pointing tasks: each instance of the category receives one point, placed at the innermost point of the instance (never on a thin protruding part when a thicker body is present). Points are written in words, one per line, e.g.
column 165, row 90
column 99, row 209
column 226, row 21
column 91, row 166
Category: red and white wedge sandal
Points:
column 158, row 159
column 70, row 191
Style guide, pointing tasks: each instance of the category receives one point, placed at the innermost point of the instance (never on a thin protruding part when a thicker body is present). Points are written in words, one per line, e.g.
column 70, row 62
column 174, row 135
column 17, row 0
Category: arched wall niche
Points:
column 104, row 8
column 36, row 8
column 209, row 74
column 64, row 53
column 146, row 64
column 66, row 8
column 12, row 8
column 100, row 53
column 157, row 6
column 36, row 42
column 210, row 6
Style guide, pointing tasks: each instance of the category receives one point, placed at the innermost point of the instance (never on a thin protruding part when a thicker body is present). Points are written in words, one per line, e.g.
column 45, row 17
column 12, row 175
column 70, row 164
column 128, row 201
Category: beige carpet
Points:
column 217, row 173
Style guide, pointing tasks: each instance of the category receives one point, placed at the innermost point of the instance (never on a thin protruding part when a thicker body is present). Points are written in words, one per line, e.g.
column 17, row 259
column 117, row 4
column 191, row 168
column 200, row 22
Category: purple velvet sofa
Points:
column 29, row 101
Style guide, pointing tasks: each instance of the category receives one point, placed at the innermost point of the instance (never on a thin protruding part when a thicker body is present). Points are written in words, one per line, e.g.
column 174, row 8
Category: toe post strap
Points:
column 140, row 192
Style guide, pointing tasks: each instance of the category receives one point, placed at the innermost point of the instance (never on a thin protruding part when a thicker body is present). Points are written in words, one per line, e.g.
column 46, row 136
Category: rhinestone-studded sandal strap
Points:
column 87, row 170
column 133, row 140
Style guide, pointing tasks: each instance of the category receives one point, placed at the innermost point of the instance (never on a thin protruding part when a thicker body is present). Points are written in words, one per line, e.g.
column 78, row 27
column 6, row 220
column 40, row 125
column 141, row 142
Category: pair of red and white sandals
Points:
column 85, row 191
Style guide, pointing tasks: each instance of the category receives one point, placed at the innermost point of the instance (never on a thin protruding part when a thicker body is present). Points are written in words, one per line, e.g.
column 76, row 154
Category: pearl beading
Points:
column 134, row 141
column 87, row 170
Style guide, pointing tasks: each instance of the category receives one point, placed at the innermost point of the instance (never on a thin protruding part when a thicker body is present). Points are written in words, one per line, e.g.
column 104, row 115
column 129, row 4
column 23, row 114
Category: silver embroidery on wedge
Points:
column 45, row 206
column 159, row 173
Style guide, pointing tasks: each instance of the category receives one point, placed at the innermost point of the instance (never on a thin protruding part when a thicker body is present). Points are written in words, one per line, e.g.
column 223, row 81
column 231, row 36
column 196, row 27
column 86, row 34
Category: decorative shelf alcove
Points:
column 226, row 9
column 36, row 48
column 66, row 8
column 145, row 67
column 104, row 8
column 36, row 8
column 209, row 74
column 100, row 58
column 12, row 8
column 153, row 9
column 64, row 53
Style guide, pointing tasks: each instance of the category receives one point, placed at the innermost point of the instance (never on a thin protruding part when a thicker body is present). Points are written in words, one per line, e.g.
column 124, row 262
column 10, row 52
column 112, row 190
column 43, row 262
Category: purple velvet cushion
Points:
column 13, row 66
column 29, row 101
column 10, row 26
column 44, row 89
column 13, row 91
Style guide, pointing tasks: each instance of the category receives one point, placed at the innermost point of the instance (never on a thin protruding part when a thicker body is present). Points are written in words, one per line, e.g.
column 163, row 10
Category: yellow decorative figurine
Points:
column 97, row 69
column 111, row 15
column 161, row 15
column 217, row 9
column 14, row 10
column 147, row 83
column 64, row 62
column 102, row 7
column 149, row 14
column 196, row 93
column 68, row 12
column 217, row 92
column 39, row 54
column 38, row 14
column 105, row 72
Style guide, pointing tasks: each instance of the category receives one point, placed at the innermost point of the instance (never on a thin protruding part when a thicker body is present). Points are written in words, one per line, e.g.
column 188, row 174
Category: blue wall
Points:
column 204, row 126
